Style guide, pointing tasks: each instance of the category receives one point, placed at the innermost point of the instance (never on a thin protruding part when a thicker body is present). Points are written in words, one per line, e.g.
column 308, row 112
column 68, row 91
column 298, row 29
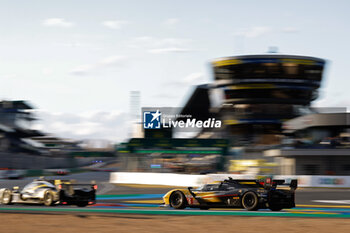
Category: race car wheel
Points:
column 178, row 200
column 48, row 199
column 82, row 204
column 6, row 197
column 250, row 201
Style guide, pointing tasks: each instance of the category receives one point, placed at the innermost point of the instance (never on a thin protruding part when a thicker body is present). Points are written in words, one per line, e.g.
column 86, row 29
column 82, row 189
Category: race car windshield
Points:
column 29, row 186
column 209, row 187
column 34, row 184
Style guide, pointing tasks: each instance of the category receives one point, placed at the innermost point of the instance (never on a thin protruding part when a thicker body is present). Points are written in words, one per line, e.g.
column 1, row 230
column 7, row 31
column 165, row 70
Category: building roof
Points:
column 296, row 152
column 48, row 139
column 17, row 104
column 198, row 104
column 317, row 120
column 273, row 58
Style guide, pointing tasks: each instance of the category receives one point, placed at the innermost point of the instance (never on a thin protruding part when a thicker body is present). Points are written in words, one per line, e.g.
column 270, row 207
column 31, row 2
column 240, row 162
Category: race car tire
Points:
column 178, row 200
column 275, row 207
column 48, row 199
column 250, row 201
column 6, row 198
column 82, row 204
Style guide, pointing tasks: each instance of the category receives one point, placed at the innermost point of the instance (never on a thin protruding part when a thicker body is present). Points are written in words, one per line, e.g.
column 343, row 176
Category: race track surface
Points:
column 112, row 199
column 86, row 223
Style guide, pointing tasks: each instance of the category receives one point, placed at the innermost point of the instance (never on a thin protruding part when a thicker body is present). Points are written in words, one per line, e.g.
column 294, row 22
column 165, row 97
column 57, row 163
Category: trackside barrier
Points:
column 320, row 181
column 37, row 172
column 157, row 178
column 303, row 181
column 172, row 179
column 220, row 177
column 4, row 174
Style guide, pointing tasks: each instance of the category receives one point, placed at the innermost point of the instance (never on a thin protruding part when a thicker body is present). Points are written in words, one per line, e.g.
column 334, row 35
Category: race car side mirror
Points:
column 293, row 184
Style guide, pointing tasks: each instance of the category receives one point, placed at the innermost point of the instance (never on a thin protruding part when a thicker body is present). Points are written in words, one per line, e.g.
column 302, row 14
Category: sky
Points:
column 77, row 61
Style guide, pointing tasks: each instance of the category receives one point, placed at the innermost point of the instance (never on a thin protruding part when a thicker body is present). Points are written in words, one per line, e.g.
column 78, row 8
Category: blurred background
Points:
column 76, row 75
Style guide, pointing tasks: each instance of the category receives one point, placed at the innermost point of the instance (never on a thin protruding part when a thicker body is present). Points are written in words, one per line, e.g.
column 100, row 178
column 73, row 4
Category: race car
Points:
column 230, row 193
column 51, row 192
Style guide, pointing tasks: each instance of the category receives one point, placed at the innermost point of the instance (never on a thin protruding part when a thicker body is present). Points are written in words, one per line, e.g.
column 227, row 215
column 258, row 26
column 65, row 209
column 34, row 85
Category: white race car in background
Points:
column 51, row 192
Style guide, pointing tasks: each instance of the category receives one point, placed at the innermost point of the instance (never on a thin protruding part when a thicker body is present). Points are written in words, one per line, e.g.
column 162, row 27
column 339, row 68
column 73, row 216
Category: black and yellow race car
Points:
column 51, row 192
column 231, row 193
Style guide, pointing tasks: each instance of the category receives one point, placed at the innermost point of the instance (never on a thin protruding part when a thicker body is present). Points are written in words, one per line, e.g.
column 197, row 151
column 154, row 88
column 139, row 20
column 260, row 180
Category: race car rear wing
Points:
column 60, row 184
column 267, row 183
column 71, row 183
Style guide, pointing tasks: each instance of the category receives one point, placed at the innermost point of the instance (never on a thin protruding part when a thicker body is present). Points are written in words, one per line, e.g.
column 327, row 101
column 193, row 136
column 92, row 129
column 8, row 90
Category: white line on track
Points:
column 333, row 201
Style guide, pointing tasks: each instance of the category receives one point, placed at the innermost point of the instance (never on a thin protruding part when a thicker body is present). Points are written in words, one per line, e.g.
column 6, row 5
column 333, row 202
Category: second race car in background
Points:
column 230, row 193
column 51, row 192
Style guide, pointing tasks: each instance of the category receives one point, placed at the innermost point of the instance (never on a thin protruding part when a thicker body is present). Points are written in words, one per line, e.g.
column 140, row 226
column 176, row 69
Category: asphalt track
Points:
column 111, row 199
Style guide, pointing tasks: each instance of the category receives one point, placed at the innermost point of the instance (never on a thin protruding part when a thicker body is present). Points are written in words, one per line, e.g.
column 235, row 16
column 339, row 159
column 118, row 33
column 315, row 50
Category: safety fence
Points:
column 172, row 179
